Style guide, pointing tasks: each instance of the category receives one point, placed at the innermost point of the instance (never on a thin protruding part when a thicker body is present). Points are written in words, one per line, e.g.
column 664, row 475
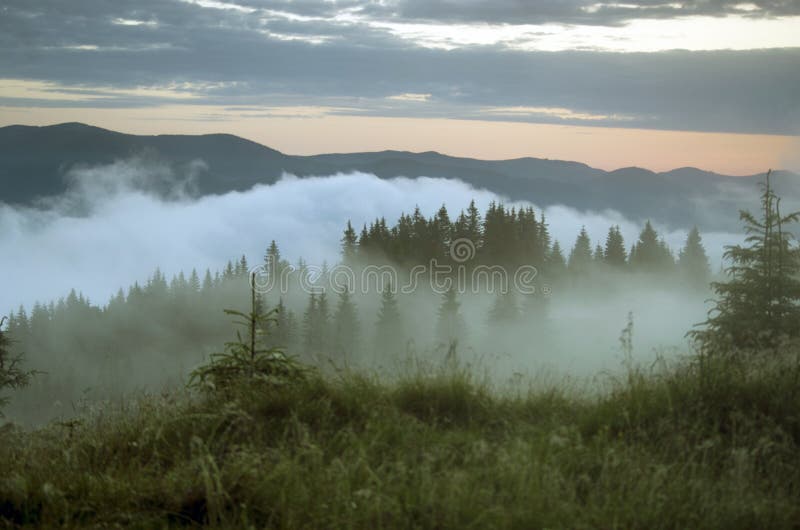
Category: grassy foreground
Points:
column 694, row 445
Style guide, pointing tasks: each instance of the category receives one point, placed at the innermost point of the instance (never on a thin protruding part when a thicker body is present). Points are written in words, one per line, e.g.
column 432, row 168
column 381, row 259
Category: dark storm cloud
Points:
column 592, row 12
column 236, row 57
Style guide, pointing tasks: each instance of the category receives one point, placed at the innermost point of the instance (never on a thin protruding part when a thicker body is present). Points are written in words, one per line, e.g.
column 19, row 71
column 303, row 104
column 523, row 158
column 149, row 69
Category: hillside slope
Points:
column 35, row 162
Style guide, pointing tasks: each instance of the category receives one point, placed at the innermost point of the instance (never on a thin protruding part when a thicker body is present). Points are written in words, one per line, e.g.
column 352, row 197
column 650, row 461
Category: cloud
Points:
column 110, row 230
column 580, row 11
column 281, row 53
column 418, row 98
column 552, row 112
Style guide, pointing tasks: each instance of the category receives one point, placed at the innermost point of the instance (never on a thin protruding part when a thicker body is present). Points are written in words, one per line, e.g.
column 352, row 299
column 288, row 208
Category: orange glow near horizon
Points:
column 602, row 147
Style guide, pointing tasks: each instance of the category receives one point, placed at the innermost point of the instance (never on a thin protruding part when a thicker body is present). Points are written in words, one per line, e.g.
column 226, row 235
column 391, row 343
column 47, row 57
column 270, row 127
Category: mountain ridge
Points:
column 35, row 160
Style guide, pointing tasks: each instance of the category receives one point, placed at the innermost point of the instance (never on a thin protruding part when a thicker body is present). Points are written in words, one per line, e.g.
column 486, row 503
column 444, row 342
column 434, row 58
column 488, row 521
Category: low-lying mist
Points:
column 112, row 230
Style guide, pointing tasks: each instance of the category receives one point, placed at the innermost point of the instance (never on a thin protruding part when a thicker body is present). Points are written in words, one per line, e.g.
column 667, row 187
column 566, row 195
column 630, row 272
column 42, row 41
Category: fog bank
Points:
column 112, row 228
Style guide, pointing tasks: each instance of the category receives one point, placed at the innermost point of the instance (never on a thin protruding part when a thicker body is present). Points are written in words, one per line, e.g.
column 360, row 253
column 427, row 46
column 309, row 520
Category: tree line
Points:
column 516, row 236
column 182, row 312
column 758, row 296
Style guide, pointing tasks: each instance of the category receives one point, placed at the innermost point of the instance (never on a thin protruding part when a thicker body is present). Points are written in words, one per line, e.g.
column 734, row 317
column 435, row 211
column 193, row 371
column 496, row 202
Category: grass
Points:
column 691, row 445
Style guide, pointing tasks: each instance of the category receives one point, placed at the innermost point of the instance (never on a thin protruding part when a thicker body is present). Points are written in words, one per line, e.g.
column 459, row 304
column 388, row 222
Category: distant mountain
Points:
column 35, row 161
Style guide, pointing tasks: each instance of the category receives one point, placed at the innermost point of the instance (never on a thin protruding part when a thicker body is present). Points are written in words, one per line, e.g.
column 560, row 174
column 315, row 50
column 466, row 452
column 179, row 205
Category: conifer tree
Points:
column 281, row 336
column 473, row 232
column 12, row 376
column 229, row 272
column 18, row 325
column 323, row 322
column 450, row 325
column 310, row 324
column 534, row 308
column 504, row 309
column 528, row 237
column 346, row 326
column 693, row 261
column 157, row 286
column 556, row 264
column 441, row 234
column 598, row 256
column 364, row 243
column 759, row 305
column 208, row 283
column 349, row 245
column 273, row 261
column 315, row 321
column 292, row 330
column 194, row 282
column 580, row 259
column 614, row 253
column 543, row 250
column 389, row 328
column 651, row 253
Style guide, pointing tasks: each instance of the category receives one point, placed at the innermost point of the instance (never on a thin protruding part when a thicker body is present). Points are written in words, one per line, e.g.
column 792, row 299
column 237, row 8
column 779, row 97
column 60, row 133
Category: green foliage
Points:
column 759, row 306
column 555, row 263
column 349, row 245
column 681, row 446
column 247, row 360
column 346, row 326
column 504, row 310
column 693, row 261
column 614, row 253
column 450, row 324
column 580, row 258
column 389, row 327
column 12, row 376
column 316, row 323
column 650, row 253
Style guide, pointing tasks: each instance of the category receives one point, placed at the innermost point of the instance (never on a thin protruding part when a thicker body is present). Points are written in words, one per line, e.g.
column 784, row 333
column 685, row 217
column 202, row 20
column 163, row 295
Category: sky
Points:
column 706, row 83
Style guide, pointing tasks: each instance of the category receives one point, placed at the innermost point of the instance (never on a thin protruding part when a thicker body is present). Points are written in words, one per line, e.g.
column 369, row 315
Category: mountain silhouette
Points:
column 36, row 161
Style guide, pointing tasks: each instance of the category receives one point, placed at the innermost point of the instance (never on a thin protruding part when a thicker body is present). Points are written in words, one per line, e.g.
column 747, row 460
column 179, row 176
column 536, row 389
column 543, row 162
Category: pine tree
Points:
column 323, row 322
column 441, row 234
column 157, row 286
column 543, row 250
column 292, row 330
column 281, row 335
column 535, row 308
column 11, row 374
column 349, row 245
column 450, row 326
column 598, row 256
column 18, row 325
column 528, row 237
column 208, row 283
column 651, row 253
column 556, row 264
column 346, row 326
column 364, row 243
column 229, row 272
column 273, row 262
column 580, row 259
column 759, row 306
column 312, row 327
column 473, row 232
column 693, row 261
column 504, row 310
column 389, row 336
column 614, row 253
column 194, row 282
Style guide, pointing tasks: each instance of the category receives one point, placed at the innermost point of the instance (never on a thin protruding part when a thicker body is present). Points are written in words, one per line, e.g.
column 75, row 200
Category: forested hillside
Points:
column 399, row 288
